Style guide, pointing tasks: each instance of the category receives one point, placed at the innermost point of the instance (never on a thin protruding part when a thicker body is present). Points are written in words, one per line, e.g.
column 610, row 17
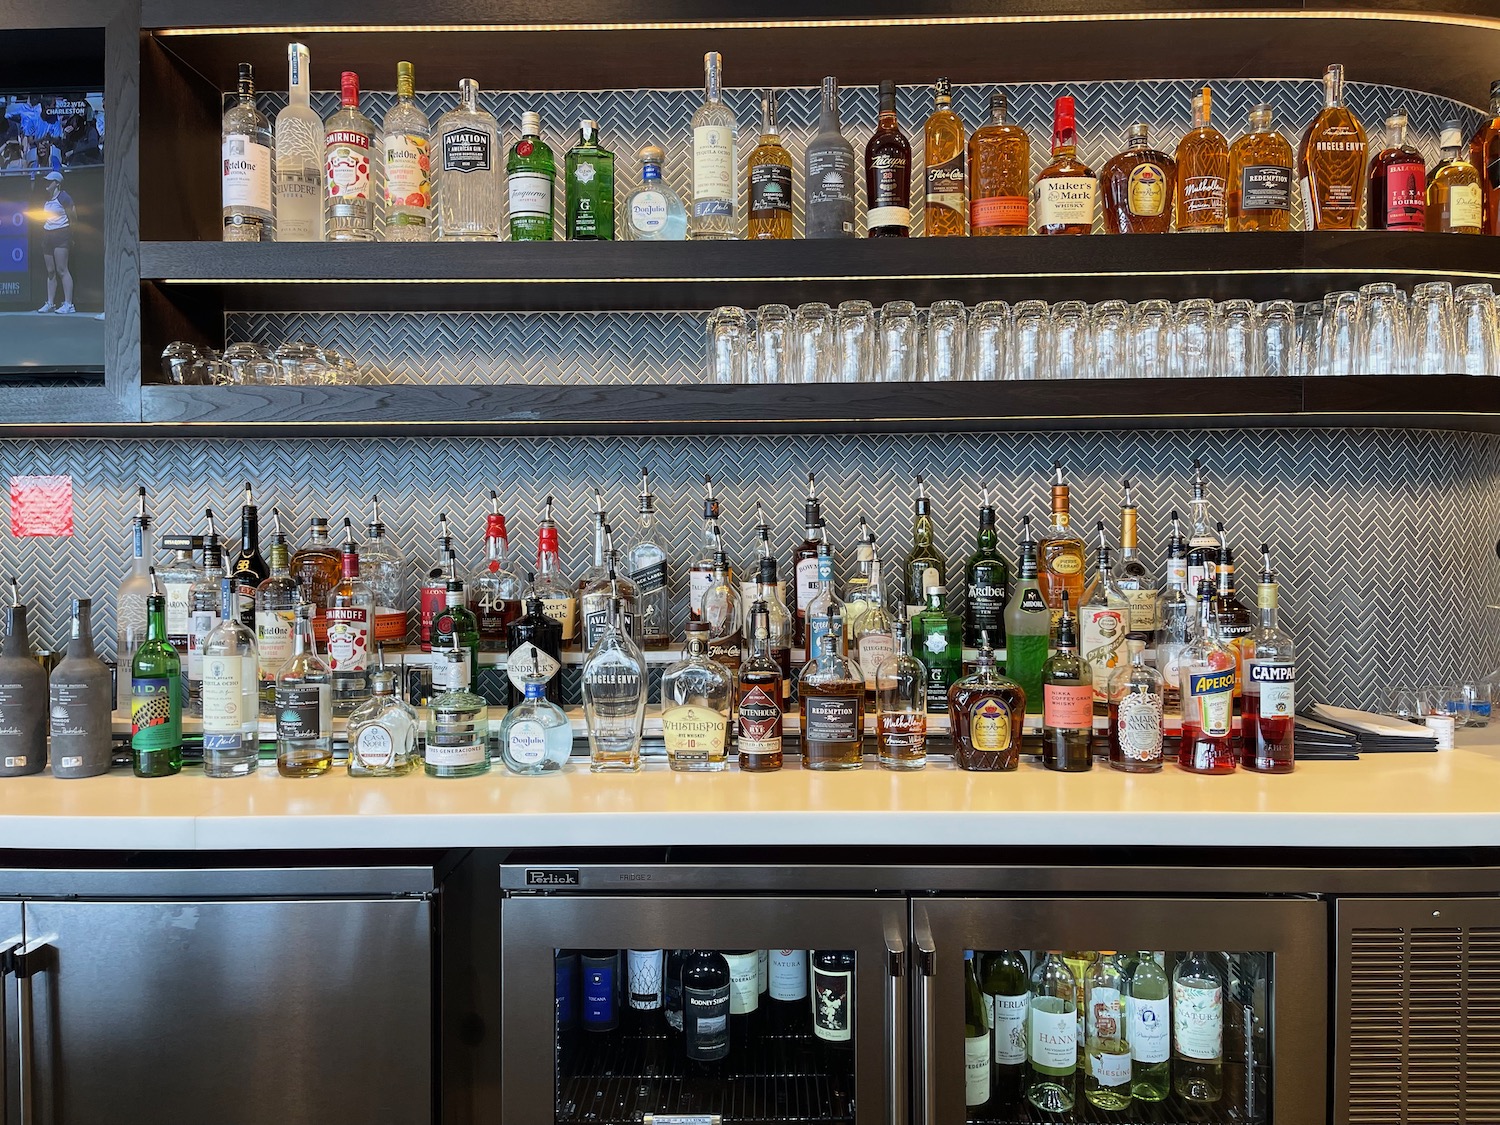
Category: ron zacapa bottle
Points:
column 888, row 173
column 23, row 696
column 81, row 701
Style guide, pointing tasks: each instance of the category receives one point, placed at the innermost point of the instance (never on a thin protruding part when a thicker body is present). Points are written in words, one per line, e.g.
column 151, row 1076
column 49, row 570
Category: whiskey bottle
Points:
column 594, row 603
column 466, row 189
column 1206, row 678
column 761, row 698
column 1260, row 176
column 249, row 567
column 351, row 630
column 857, row 584
column 382, row 566
column 873, row 639
column 1106, row 1081
column 829, row 173
column 350, row 168
column 1052, row 1042
column 714, row 162
column 987, row 711
column 946, row 209
column 1138, row 187
column 317, row 567
column 406, row 161
column 702, row 573
column 275, row 617
column 900, row 705
column 1067, row 702
column 1060, row 553
column 231, row 693
column 1105, row 624
column 534, row 644
column 888, row 173
column 1398, row 182
column 1484, row 154
column 530, row 172
column 304, row 705
column 1331, row 161
column 1135, row 580
column 458, row 730
column 246, row 167
column 1066, row 191
column 1202, row 172
column 805, row 561
column 1270, row 685
column 925, row 565
column 987, row 581
column 79, row 703
column 1455, row 200
column 770, row 178
column 494, row 589
column 1028, row 625
column 831, row 695
column 767, row 591
column 614, row 698
column 646, row 566
column 999, row 174
column 23, row 693
column 382, row 730
column 559, row 596
column 155, row 696
column 696, row 694
column 598, row 569
column 937, row 638
column 589, row 189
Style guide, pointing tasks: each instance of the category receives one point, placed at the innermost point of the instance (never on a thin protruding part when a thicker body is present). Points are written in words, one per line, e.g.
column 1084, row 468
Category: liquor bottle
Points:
column 79, row 703
column 1331, row 161
column 976, row 1039
column 1138, row 187
column 987, row 711
column 696, row 695
column 1005, row 982
column 535, row 735
column 1197, row 1029
column 1205, row 540
column 247, row 170
column 349, row 172
column 1484, row 154
column 786, row 990
column 760, row 699
column 600, row 566
column 925, row 565
column 1206, row 686
column 299, row 156
column 382, row 730
column 701, row 576
column 646, row 565
column 24, row 695
column 1136, row 699
column 452, row 626
column 432, row 595
column 1176, row 622
column 130, row 600
column 1260, row 176
column 1135, row 580
column 458, row 730
column 987, row 578
column 1398, row 181
column 177, row 579
column 1052, row 1046
column 744, row 990
column 231, row 693
column 1028, row 625
column 595, row 601
column 559, row 597
column 304, row 705
column 249, row 567
column 600, row 995
column 1106, row 1081
column 589, row 188
column 714, row 162
column 873, row 639
column 654, row 212
column 466, row 175
column 937, row 637
column 825, row 606
column 530, row 171
column 1104, row 620
column 1232, row 620
column 829, row 173
column 1066, row 191
column 1202, row 172
column 770, row 178
column 900, row 705
column 767, row 590
column 494, row 589
column 351, row 629
column 833, row 998
column 831, row 696
column 204, row 603
column 805, row 561
column 1060, row 561
column 534, row 644
column 274, row 616
column 721, row 610
column 1150, row 1034
column 888, row 173
column 1455, row 199
column 705, row 1006
column 1067, row 703
column 999, row 174
column 1270, row 685
column 317, row 567
column 406, row 163
column 947, row 202
column 857, row 584
column 155, row 696
column 614, row 698
column 644, row 971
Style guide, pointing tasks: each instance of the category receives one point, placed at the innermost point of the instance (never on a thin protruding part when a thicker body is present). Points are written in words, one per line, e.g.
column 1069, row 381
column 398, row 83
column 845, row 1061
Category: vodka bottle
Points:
column 350, row 172
column 246, row 167
column 405, row 158
column 299, row 157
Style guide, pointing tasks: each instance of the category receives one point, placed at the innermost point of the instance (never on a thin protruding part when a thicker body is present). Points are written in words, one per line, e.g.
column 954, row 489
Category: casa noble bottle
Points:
column 829, row 174
column 23, row 692
column 80, row 704
column 888, row 173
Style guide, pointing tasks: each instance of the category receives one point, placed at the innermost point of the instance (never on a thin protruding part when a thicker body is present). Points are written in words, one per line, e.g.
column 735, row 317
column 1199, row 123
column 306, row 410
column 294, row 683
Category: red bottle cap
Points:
column 349, row 84
column 494, row 526
column 1064, row 128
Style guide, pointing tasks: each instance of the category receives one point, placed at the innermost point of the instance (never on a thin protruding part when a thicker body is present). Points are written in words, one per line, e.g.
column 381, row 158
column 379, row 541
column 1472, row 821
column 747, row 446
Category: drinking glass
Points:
column 1476, row 703
column 242, row 358
column 1029, row 342
column 1444, row 699
column 812, row 343
column 1336, row 342
column 1109, row 340
column 947, row 344
column 1193, row 341
column 855, row 329
column 1406, row 703
column 1474, row 322
column 896, row 355
column 1309, row 332
column 728, row 344
column 773, row 324
column 989, row 340
column 1237, row 339
column 177, row 360
column 1278, row 337
column 1151, row 327
column 1381, row 337
column 212, row 371
column 1070, row 340
column 291, row 356
column 1432, row 343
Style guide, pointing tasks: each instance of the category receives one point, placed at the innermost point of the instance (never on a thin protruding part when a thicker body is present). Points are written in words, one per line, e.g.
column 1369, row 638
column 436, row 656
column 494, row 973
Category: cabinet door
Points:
column 12, row 940
column 238, row 1013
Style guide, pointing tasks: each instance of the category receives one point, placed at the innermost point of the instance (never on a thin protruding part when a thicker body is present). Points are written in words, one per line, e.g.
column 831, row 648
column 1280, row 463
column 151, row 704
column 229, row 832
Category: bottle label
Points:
column 1406, row 195
column 1031, row 601
column 346, row 164
column 1210, row 700
column 75, row 707
column 1265, row 187
column 408, row 175
column 201, row 622
column 1197, row 574
column 830, row 190
column 348, row 638
column 770, row 188
column 977, row 1069
column 705, row 1022
column 1203, row 200
column 643, row 977
column 1105, row 1012
column 530, row 195
column 1054, row 1039
column 1150, row 1030
column 155, row 720
column 596, row 618
column 874, row 648
column 699, row 583
column 760, row 723
column 1464, row 206
column 588, row 201
column 945, row 184
column 986, row 609
column 1110, row 1069
column 831, row 718
column 527, row 662
column 1104, row 647
column 1145, row 610
column 299, row 711
column 1067, row 706
column 650, row 579
column 1066, row 201
column 466, row 149
column 1197, row 1021
column 807, row 585
column 989, row 726
column 786, row 974
column 713, row 171
column 1138, row 726
column 564, row 611
column 1066, row 564
column 273, row 639
column 453, row 754
column 648, row 211
column 999, row 211
column 833, row 1004
column 727, row 650
column 178, row 600
column 694, row 732
column 877, row 217
column 599, row 994
column 1008, row 1027
column 374, row 748
column 528, row 742
column 223, row 687
column 744, row 982
column 247, row 173
column 1146, row 193
column 889, row 190
column 1276, row 685
column 903, row 734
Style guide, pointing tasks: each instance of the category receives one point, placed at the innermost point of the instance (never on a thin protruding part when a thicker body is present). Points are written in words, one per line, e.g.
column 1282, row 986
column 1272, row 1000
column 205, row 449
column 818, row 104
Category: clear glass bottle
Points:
column 1202, row 172
column 595, row 600
column 856, row 584
column 714, row 162
column 466, row 174
column 1397, row 198
column 1066, row 192
column 987, row 711
column 1104, row 621
column 825, row 605
column 614, row 698
column 458, row 729
column 947, row 199
column 381, row 565
column 382, row 730
column 1136, row 698
column 155, row 694
column 276, row 602
column 976, row 1039
column 130, row 600
column 304, row 705
column 1455, row 199
column 721, row 610
column 1260, row 176
column 1331, row 161
column 231, row 692
column 1150, row 1033
column 999, row 174
column 204, row 603
column 1028, row 625
column 1067, row 703
column 589, row 187
column 246, row 168
column 406, row 161
column 1134, row 579
column 1197, row 1029
column 1052, row 1024
column 432, row 595
column 701, row 576
column 831, row 694
column 177, row 579
column 888, row 172
column 696, row 693
column 1270, row 685
column 760, row 699
column 351, row 631
column 1205, row 542
column 654, row 212
column 872, row 635
column 1206, row 689
column 768, row 591
column 1176, row 618
column 1107, row 1077
column 530, row 176
column 901, row 705
column 79, row 704
column 1137, row 187
column 937, row 638
column 829, row 173
column 558, row 594
column 350, row 168
column 535, row 735
column 646, row 566
column 769, row 173
column 495, row 589
column 299, row 156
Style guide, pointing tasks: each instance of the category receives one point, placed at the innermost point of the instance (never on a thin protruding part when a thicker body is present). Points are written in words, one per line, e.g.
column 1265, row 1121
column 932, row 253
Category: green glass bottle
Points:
column 1149, row 1015
column 156, row 697
column 589, row 172
column 456, row 620
column 925, row 565
column 1006, row 983
column 937, row 640
column 1067, row 702
column 976, row 1039
column 529, row 172
column 988, row 578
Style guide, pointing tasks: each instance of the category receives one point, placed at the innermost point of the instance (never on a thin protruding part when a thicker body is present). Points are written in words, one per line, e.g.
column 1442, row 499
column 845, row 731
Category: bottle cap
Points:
column 1453, row 134
column 1140, row 135
column 531, row 124
column 1064, row 115
column 942, row 89
column 999, row 103
column 698, row 627
column 651, row 154
column 349, row 88
column 406, row 82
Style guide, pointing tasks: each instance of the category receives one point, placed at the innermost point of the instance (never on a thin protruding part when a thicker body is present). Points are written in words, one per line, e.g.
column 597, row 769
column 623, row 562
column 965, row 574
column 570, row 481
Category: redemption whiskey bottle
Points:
column 1455, row 200
column 1137, row 186
column 1260, row 176
column 946, row 203
column 1484, row 154
column 1331, row 163
column 1066, row 191
column 888, row 173
column 1398, row 182
column 1202, row 172
column 999, row 174
column 831, row 692
column 770, row 174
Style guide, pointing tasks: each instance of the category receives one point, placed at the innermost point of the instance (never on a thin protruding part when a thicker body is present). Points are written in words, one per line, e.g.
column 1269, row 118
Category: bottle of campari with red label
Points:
column 1207, row 682
column 1270, row 685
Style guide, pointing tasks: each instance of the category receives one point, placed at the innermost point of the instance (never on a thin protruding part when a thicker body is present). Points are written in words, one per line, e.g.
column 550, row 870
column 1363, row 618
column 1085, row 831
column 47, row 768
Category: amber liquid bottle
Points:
column 770, row 173
column 999, row 174
column 758, row 714
column 1060, row 553
column 945, row 213
column 1260, row 176
column 1202, row 172
column 1484, row 154
column 888, row 173
column 1066, row 191
column 1398, row 182
column 1137, row 187
column 987, row 710
column 1331, row 162
column 1455, row 200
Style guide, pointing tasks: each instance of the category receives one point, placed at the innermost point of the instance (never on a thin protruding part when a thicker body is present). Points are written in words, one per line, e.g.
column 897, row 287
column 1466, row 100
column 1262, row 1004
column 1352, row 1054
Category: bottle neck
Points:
column 546, row 550
column 249, row 531
column 711, row 90
column 156, row 619
column 1333, row 90
column 350, row 563
column 828, row 114
column 280, row 560
column 650, row 171
column 81, row 639
column 1268, row 598
column 18, row 642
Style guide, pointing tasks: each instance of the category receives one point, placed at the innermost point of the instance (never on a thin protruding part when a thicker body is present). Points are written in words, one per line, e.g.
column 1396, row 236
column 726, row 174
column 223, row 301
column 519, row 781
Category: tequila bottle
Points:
column 987, row 711
column 901, row 705
column 761, row 699
column 1028, row 625
column 351, row 629
column 130, row 600
column 831, row 694
column 614, row 698
column 714, row 160
column 1107, row 1075
column 350, row 171
column 177, row 579
column 247, row 167
column 589, row 202
column 406, row 160
column 155, row 693
column 530, row 171
column 495, row 589
column 696, row 693
column 829, row 173
column 276, row 602
column 458, row 730
column 654, row 212
column 382, row 730
column 23, row 696
column 79, row 703
column 304, row 705
column 1052, row 1023
column 987, row 578
column 535, row 735
column 770, row 176
column 1067, row 703
column 204, row 603
column 646, row 565
column 231, row 693
column 299, row 156
column 938, row 639
column 466, row 174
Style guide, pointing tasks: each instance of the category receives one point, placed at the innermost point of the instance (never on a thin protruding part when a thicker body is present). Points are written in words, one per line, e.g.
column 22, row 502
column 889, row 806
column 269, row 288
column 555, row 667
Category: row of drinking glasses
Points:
column 1469, row 703
column 296, row 363
column 1380, row 330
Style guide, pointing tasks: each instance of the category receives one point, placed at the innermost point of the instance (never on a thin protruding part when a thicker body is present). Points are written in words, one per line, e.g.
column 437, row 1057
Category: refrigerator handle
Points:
column 8, row 950
column 897, row 1109
column 926, row 970
column 26, row 962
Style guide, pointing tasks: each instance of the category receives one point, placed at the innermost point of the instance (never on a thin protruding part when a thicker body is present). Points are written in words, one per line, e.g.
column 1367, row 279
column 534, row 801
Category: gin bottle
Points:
column 714, row 160
column 351, row 625
column 246, row 167
column 654, row 212
column 937, row 638
column 204, row 602
column 304, row 705
column 455, row 625
column 529, row 173
column 535, row 736
column 79, row 699
column 349, row 171
column 23, row 695
column 589, row 172
column 231, row 693
column 466, row 174
column 130, row 600
column 155, row 696
column 695, row 701
column 614, row 698
column 830, row 173
column 382, row 730
column 299, row 157
column 405, row 144
column 458, row 733
column 534, row 643
column 646, row 564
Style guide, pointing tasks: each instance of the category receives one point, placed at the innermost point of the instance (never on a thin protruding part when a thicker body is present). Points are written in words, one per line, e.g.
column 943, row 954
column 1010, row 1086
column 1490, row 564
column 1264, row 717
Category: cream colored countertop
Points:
column 1447, row 799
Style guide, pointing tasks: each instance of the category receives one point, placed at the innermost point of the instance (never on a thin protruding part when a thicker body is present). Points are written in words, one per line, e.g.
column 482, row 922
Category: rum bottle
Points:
column 23, row 691
column 1206, row 679
column 1202, row 172
column 761, row 696
column 155, row 695
column 999, row 174
column 1136, row 702
column 530, row 173
column 1484, row 154
column 350, row 170
column 829, row 173
column 1028, row 625
column 721, row 610
column 946, row 206
column 1260, row 176
column 987, row 712
column 1137, row 187
column 1455, row 200
column 78, row 694
column 987, row 578
column 831, row 694
column 1398, row 182
column 1067, row 703
column 1331, row 161
column 925, row 565
column 901, row 705
column 714, row 163
column 589, row 187
column 1270, row 699
column 1066, row 191
column 770, row 176
column 888, row 173
column 406, row 161
column 1060, row 553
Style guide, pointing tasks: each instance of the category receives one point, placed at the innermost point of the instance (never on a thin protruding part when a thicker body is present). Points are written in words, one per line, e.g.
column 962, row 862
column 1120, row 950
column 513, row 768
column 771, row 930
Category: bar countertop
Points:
column 1446, row 799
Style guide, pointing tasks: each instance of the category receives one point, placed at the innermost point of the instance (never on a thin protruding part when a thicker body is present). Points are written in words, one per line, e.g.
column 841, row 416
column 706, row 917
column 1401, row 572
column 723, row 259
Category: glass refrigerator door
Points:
column 1154, row 1011
column 674, row 1011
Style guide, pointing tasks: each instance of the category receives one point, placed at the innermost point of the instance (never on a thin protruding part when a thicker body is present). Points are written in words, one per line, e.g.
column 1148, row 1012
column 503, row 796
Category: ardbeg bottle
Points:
column 80, row 704
column 23, row 695
column 988, row 580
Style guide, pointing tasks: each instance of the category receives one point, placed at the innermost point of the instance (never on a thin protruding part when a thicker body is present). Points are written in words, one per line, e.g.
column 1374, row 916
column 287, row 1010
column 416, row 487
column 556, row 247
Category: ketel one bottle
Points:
column 79, row 693
column 23, row 697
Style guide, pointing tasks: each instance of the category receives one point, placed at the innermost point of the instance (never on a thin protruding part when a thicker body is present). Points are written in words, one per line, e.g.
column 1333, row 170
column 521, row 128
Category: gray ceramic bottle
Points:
column 23, row 697
column 81, row 700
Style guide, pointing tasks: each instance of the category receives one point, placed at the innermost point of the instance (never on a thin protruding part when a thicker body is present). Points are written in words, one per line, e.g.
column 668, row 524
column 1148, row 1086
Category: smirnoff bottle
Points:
column 1270, row 685
column 246, row 168
column 349, row 171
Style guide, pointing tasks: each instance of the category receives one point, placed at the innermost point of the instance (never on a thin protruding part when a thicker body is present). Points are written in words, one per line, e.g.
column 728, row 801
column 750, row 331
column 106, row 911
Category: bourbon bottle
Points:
column 1202, row 172
column 1137, row 186
column 1066, row 191
column 1398, row 182
column 946, row 204
column 999, row 174
column 1260, row 176
column 1331, row 163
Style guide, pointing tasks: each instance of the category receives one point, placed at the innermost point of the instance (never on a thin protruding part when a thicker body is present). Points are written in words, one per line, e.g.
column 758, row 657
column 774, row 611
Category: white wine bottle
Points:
column 1106, row 1081
column 1150, row 1031
column 976, row 1039
column 1197, row 1029
column 1052, row 1053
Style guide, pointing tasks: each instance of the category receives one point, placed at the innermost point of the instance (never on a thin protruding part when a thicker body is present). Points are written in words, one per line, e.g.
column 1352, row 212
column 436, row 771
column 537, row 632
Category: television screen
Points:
column 51, row 232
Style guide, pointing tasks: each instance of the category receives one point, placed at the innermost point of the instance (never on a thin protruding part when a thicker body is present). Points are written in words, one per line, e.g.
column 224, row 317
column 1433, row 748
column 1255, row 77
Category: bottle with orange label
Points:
column 1137, row 187
column 1067, row 702
column 999, row 174
column 1060, row 553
